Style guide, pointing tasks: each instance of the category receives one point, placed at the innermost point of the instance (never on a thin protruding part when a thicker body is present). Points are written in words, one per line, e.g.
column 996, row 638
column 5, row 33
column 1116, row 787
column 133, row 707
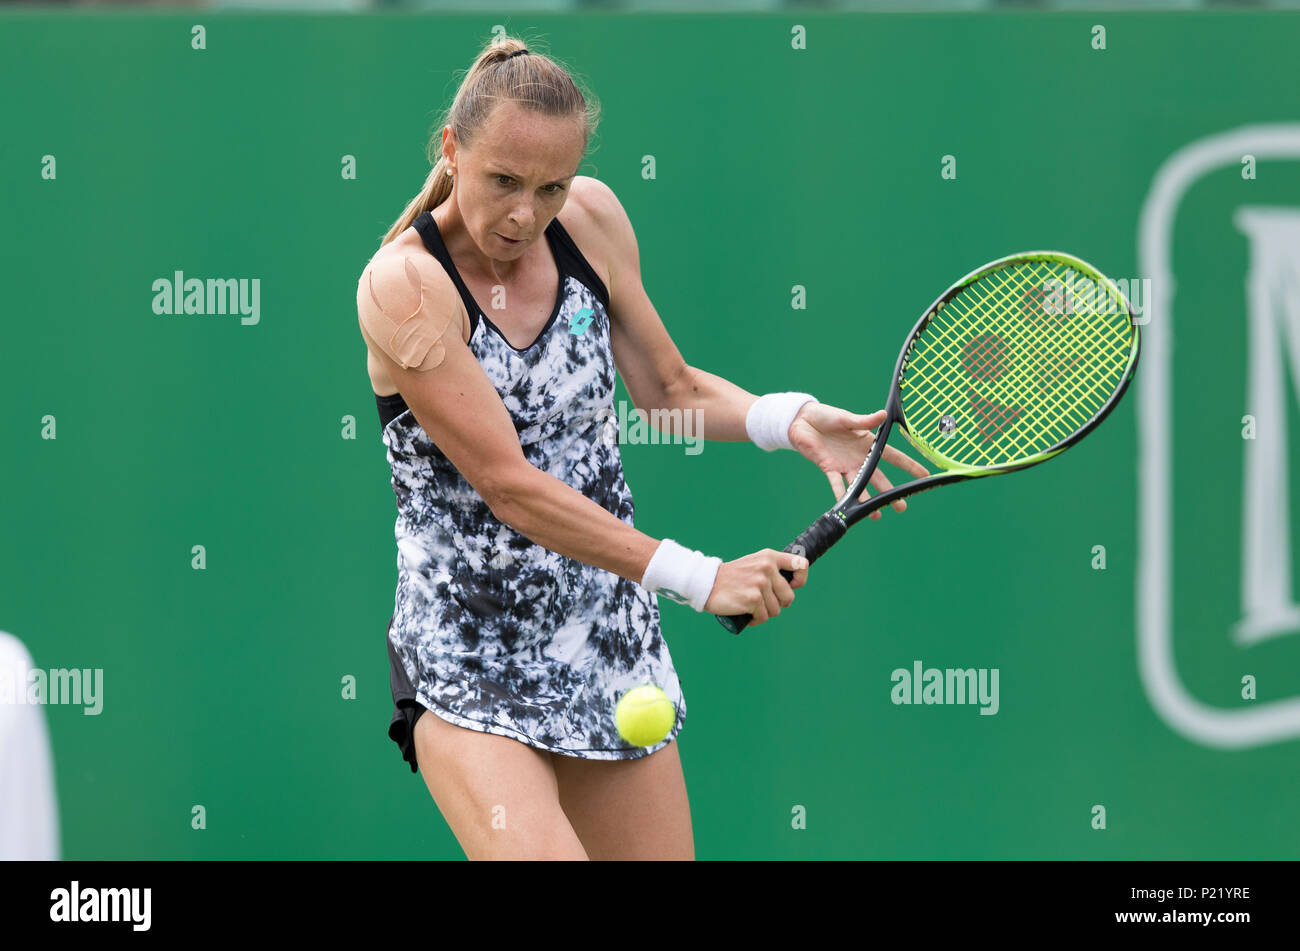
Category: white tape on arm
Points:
column 681, row 574
column 768, row 420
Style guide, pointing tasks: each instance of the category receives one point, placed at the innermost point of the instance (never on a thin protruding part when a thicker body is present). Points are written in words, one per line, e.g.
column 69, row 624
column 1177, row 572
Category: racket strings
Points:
column 996, row 410
column 1059, row 414
column 1004, row 371
column 992, row 303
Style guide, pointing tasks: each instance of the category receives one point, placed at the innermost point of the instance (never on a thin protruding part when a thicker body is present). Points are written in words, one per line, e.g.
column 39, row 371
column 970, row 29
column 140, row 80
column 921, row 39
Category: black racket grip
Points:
column 812, row 544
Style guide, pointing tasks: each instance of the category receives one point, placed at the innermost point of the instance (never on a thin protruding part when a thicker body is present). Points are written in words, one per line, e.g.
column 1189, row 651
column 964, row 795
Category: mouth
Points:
column 510, row 241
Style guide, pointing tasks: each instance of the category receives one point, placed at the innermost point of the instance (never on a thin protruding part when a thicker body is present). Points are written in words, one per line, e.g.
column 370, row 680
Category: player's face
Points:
column 515, row 177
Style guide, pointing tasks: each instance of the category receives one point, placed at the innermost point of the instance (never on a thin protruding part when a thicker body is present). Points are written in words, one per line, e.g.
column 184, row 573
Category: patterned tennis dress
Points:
column 489, row 630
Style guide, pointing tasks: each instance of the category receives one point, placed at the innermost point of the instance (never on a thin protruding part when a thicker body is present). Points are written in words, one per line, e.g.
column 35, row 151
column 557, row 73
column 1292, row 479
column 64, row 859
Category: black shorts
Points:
column 407, row 709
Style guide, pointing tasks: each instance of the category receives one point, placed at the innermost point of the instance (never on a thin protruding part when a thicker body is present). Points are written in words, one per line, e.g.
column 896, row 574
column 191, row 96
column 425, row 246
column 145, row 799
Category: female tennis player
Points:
column 496, row 313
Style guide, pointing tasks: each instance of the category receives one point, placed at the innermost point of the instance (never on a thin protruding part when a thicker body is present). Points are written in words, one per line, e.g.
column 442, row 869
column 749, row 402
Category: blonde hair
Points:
column 535, row 81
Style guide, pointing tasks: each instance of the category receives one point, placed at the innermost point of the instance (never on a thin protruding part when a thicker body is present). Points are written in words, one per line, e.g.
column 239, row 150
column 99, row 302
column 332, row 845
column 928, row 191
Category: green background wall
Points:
column 775, row 167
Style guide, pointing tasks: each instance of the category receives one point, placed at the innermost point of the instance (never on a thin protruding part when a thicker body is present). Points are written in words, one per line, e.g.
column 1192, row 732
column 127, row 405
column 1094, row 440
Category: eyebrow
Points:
column 506, row 171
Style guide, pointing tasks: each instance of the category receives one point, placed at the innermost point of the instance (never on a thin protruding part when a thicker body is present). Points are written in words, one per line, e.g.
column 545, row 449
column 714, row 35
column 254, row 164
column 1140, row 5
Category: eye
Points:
column 555, row 189
column 503, row 179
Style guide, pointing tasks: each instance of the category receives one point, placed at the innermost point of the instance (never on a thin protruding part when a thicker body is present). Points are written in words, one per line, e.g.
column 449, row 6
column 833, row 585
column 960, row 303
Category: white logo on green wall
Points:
column 1267, row 328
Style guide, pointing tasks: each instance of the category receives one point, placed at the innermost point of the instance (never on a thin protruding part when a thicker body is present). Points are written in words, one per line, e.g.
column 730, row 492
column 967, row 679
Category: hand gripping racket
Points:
column 1012, row 365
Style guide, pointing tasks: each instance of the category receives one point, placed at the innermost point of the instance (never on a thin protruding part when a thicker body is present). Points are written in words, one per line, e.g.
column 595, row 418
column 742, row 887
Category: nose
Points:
column 523, row 218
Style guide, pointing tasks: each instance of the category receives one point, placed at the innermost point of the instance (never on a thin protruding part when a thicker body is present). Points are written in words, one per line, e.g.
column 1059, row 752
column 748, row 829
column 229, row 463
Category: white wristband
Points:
column 768, row 420
column 681, row 574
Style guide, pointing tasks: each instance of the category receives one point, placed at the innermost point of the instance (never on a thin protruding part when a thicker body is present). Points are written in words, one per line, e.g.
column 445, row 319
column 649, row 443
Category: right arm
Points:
column 410, row 316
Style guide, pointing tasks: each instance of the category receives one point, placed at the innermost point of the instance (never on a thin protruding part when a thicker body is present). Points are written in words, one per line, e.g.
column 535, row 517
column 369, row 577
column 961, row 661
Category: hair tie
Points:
column 517, row 53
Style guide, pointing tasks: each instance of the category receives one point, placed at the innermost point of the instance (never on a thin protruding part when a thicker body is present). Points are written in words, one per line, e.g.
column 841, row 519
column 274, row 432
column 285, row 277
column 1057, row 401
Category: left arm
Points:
column 652, row 368
column 658, row 378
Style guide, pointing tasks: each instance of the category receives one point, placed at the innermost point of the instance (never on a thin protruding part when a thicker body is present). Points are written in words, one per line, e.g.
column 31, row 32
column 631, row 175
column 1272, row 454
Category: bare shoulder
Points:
column 599, row 226
column 404, row 267
column 408, row 245
column 405, row 302
column 599, row 207
column 594, row 194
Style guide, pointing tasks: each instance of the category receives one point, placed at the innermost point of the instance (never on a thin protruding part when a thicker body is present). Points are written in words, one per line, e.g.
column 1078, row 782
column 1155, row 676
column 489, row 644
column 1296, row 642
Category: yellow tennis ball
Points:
column 644, row 715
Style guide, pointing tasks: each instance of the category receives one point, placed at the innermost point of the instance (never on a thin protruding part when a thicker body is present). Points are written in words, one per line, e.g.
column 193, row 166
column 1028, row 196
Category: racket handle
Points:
column 812, row 544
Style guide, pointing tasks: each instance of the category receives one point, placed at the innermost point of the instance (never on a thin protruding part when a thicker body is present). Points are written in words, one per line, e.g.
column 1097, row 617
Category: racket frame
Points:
column 850, row 513
column 817, row 539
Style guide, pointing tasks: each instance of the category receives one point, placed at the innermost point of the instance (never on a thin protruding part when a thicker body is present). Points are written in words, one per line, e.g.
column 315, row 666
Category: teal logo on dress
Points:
column 580, row 321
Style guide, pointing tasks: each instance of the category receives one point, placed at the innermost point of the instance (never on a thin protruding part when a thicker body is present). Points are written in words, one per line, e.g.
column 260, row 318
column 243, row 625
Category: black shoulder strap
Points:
column 428, row 229
column 576, row 263
column 390, row 407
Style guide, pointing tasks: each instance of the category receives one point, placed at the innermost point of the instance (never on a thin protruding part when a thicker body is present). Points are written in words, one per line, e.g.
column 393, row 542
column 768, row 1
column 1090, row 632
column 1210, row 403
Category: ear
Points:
column 449, row 143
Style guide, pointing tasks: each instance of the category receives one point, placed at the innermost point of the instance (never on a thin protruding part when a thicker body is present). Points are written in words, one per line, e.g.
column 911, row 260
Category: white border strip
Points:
column 1211, row 726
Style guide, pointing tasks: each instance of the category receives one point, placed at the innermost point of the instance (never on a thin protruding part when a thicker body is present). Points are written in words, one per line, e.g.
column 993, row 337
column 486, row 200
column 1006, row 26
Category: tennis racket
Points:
column 1012, row 365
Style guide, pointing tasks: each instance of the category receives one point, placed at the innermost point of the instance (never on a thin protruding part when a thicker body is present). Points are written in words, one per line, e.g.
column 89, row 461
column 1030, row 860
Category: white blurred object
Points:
column 29, row 816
